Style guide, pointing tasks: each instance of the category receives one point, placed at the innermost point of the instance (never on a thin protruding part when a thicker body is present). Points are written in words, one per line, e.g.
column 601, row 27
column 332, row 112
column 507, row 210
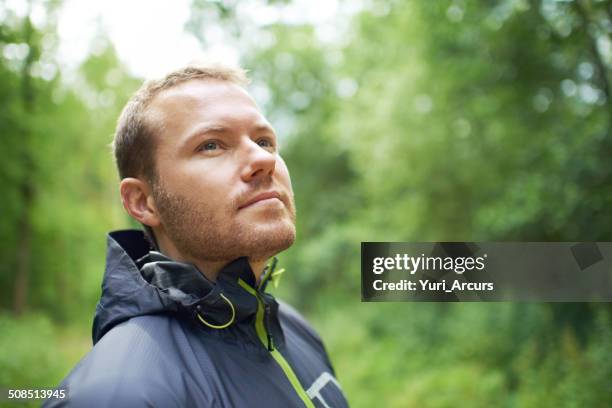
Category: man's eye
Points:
column 265, row 143
column 209, row 146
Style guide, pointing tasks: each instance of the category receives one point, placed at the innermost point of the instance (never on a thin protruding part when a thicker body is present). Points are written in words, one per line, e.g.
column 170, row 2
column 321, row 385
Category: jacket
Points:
column 165, row 336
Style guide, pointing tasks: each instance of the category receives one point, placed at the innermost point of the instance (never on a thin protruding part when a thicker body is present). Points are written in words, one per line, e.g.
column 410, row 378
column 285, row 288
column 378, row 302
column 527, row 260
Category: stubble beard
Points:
column 202, row 232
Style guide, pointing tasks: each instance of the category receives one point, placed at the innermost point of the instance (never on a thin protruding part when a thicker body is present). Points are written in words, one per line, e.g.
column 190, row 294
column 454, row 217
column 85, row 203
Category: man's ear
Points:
column 138, row 201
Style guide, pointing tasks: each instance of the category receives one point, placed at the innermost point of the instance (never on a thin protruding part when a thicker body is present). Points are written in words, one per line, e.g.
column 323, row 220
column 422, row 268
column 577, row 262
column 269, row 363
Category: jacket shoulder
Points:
column 133, row 365
column 110, row 392
column 133, row 346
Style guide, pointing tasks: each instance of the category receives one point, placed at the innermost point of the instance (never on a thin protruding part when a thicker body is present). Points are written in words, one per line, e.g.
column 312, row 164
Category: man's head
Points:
column 199, row 165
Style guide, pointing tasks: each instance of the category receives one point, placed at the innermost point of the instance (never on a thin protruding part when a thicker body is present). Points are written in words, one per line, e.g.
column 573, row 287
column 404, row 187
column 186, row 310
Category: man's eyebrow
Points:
column 202, row 130
column 210, row 128
column 264, row 128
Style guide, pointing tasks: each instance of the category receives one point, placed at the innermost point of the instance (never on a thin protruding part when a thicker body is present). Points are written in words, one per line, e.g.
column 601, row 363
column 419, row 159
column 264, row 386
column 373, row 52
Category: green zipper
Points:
column 265, row 339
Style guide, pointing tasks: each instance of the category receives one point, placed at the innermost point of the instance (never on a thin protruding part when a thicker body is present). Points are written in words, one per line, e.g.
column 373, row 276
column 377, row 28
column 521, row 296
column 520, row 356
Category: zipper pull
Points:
column 267, row 325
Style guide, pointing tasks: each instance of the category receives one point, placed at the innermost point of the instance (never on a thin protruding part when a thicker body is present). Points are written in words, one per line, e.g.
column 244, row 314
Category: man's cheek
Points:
column 283, row 175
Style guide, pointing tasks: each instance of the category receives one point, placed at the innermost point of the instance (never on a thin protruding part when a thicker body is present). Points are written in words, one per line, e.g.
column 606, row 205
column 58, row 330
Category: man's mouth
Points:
column 269, row 196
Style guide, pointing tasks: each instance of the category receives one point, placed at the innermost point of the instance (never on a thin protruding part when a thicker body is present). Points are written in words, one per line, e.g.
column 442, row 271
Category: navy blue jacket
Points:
column 165, row 336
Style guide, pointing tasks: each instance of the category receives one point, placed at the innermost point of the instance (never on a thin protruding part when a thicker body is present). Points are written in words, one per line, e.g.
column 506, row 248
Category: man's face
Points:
column 216, row 155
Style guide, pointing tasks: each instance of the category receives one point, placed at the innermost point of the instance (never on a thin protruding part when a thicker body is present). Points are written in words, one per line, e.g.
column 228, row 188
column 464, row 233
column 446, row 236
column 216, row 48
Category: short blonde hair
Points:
column 134, row 141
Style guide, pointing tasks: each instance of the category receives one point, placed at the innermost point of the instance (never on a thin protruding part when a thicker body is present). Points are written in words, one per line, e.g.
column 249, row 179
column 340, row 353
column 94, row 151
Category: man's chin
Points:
column 269, row 239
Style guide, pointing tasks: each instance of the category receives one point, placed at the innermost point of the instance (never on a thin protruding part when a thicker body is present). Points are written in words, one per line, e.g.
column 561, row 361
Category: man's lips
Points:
column 260, row 197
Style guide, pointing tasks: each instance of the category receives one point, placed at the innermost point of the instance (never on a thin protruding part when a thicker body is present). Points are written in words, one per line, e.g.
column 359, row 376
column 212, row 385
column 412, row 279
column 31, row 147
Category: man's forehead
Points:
column 195, row 105
column 201, row 91
column 198, row 99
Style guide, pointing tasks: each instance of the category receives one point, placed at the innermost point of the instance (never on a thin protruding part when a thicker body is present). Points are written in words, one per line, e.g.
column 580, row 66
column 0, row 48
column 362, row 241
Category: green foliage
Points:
column 33, row 358
column 57, row 174
column 436, row 355
column 35, row 353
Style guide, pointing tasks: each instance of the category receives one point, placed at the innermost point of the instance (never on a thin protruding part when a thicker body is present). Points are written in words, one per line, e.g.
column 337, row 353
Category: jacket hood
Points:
column 139, row 281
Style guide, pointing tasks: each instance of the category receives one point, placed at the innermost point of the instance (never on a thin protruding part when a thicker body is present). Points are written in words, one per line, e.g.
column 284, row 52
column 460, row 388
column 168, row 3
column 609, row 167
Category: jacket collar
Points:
column 217, row 303
column 139, row 281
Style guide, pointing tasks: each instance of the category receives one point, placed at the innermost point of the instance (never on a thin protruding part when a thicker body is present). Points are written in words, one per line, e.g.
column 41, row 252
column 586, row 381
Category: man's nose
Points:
column 260, row 162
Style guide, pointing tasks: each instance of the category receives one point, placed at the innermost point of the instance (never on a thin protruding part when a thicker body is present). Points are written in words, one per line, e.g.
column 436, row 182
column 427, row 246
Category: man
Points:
column 184, row 319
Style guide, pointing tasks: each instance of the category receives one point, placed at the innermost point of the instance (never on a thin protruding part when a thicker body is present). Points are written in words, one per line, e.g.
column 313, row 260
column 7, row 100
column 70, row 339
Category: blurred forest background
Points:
column 416, row 121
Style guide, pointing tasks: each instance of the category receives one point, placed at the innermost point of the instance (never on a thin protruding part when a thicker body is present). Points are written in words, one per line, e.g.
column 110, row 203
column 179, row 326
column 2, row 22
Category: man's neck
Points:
column 211, row 269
